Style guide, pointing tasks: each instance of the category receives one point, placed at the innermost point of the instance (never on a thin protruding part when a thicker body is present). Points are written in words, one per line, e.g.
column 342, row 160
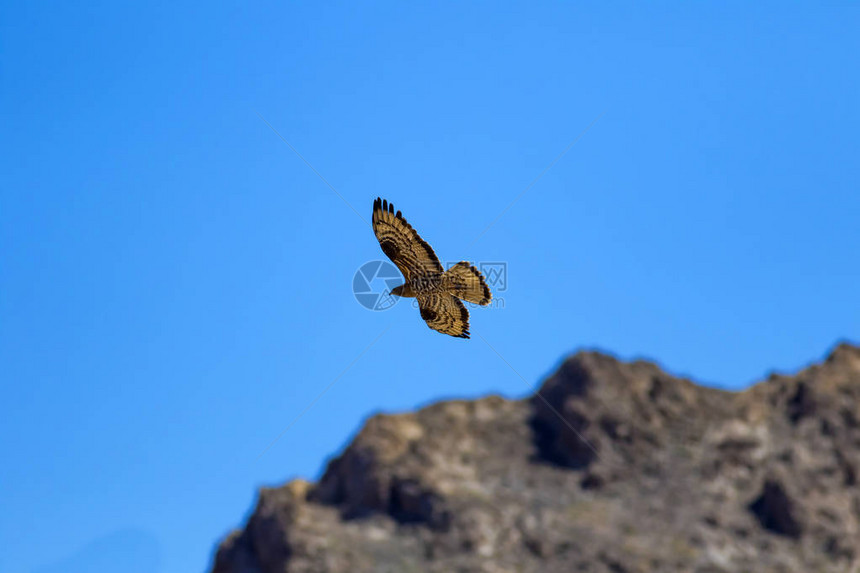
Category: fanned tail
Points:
column 464, row 281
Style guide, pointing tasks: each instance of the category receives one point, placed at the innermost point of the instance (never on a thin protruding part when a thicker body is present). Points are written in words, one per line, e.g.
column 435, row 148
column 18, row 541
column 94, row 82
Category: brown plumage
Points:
column 438, row 291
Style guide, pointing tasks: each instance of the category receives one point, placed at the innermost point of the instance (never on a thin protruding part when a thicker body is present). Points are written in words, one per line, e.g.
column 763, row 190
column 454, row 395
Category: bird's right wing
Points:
column 401, row 243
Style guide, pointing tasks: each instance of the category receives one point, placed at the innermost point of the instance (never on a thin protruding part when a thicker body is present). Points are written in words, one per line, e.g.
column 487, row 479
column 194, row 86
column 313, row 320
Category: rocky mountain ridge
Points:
column 612, row 467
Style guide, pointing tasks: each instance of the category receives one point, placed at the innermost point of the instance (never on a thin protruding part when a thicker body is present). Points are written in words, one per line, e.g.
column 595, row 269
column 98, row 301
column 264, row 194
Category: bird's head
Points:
column 403, row 290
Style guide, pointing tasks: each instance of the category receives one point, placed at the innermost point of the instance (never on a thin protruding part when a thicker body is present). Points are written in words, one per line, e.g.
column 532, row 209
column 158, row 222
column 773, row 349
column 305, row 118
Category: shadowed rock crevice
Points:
column 775, row 510
column 560, row 443
column 615, row 466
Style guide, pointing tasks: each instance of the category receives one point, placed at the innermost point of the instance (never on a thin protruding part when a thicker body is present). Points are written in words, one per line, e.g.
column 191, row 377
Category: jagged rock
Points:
column 611, row 467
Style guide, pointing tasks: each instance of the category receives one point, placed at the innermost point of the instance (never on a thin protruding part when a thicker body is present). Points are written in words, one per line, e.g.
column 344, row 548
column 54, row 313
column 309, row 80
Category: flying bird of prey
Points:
column 438, row 291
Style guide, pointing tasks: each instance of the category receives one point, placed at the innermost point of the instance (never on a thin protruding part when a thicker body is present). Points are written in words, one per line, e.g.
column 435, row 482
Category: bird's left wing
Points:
column 444, row 313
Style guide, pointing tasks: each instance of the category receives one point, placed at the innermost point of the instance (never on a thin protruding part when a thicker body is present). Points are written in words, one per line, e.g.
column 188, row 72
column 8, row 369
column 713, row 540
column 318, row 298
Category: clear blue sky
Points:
column 176, row 285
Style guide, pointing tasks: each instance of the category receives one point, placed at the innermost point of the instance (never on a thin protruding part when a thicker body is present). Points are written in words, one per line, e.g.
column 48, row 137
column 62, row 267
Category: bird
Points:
column 439, row 292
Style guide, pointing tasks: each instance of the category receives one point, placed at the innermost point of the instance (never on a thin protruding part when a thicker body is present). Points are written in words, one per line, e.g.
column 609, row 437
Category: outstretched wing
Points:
column 444, row 313
column 401, row 243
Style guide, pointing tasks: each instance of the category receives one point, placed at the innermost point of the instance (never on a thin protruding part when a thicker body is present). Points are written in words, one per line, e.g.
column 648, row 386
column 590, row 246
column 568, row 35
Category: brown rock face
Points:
column 612, row 467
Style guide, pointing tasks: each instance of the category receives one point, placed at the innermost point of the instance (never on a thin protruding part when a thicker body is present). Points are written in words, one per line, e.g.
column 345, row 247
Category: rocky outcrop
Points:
column 611, row 467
